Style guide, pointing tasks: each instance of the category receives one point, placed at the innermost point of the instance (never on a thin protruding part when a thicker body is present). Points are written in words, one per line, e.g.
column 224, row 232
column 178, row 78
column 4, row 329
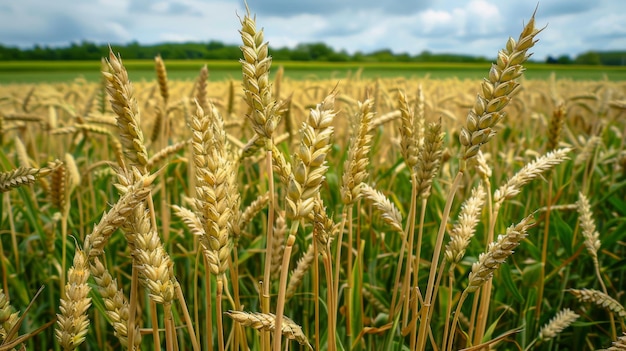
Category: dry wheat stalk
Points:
column 587, row 149
column 158, row 123
column 409, row 140
column 73, row 179
column 497, row 91
column 119, row 214
column 310, row 160
column 382, row 119
column 58, row 188
column 562, row 320
column 213, row 191
column 482, row 167
column 389, row 213
column 166, row 152
column 323, row 227
column 529, row 172
column 24, row 117
column 556, row 125
column 429, row 159
column 252, row 210
column 73, row 322
column 22, row 155
column 464, row 229
column 355, row 167
column 496, row 254
column 420, row 116
column 116, row 304
column 599, row 298
column 201, row 88
column 256, row 84
column 124, row 104
column 374, row 301
column 155, row 264
column 263, row 321
column 161, row 73
column 278, row 245
column 588, row 225
column 21, row 176
column 191, row 220
column 281, row 166
column 303, row 265
column 8, row 316
column 619, row 344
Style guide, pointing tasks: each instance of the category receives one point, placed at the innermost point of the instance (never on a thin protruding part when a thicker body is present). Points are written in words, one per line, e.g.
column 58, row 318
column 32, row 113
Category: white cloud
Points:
column 477, row 27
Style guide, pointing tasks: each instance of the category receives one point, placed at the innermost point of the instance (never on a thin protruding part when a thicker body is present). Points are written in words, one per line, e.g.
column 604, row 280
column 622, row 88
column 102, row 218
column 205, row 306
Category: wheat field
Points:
column 354, row 214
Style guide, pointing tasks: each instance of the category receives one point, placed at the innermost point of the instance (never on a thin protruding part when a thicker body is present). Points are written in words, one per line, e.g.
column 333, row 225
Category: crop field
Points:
column 145, row 210
column 12, row 72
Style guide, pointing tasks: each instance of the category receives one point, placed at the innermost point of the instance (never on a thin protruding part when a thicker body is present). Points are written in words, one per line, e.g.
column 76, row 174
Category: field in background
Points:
column 66, row 71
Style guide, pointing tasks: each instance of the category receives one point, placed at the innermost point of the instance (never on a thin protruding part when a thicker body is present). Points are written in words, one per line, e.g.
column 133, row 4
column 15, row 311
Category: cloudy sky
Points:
column 476, row 27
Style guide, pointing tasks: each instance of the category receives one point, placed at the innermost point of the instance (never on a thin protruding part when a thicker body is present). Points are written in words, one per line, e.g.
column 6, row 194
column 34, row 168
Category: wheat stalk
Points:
column 278, row 246
column 562, row 320
column 201, row 88
column 619, row 344
column 464, row 229
column 165, row 153
column 303, row 265
column 213, row 191
column 389, row 212
column 58, row 196
column 429, row 159
column 155, row 264
column 556, row 125
column 118, row 215
column 266, row 321
column 124, row 104
column 529, row 172
column 310, row 162
column 24, row 175
column 588, row 225
column 355, row 167
column 256, row 84
column 409, row 140
column 252, row 210
column 496, row 254
column 599, row 298
column 161, row 73
column 116, row 304
column 497, row 91
column 8, row 317
column 73, row 322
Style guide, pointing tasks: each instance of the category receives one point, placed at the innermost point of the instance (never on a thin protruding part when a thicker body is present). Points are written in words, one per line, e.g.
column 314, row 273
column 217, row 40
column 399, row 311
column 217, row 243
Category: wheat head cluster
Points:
column 266, row 213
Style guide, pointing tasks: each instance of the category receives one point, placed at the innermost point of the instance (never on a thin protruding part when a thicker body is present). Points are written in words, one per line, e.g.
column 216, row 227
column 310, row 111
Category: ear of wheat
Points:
column 562, row 320
column 266, row 321
column 8, row 316
column 600, row 299
column 73, row 321
column 497, row 91
column 496, row 254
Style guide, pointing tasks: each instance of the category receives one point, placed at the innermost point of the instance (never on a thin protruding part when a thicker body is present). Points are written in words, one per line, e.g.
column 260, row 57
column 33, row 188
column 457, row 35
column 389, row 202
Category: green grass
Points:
column 66, row 71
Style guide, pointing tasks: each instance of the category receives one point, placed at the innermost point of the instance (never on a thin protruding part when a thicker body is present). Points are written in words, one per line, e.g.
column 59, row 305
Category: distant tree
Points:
column 341, row 56
column 564, row 60
column 588, row 58
column 9, row 53
column 383, row 56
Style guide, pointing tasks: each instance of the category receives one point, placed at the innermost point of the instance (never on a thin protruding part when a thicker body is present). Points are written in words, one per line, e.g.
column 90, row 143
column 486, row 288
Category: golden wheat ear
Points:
column 73, row 321
column 266, row 321
column 562, row 320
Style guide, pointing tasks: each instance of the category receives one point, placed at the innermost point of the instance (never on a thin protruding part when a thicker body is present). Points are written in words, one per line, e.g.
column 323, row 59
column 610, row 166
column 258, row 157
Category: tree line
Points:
column 215, row 50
